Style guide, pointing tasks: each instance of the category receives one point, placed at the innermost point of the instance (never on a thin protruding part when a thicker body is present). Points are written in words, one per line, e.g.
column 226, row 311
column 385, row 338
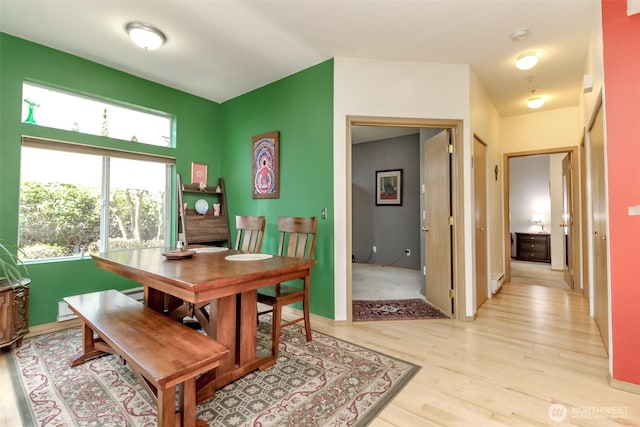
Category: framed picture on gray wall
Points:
column 389, row 187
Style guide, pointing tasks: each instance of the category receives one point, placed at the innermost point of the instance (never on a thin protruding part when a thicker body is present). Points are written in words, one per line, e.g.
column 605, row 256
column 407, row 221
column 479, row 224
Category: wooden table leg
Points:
column 247, row 331
column 154, row 299
column 222, row 323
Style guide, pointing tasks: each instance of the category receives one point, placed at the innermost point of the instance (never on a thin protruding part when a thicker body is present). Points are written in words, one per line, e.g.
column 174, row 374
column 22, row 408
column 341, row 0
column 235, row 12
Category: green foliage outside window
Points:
column 58, row 220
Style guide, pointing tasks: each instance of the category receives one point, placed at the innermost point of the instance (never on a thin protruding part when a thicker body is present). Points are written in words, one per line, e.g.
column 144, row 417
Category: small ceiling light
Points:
column 145, row 36
column 519, row 34
column 536, row 101
column 527, row 60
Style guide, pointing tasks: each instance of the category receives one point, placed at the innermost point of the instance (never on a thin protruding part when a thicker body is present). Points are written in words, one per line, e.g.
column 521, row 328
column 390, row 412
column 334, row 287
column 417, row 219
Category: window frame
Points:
column 105, row 103
column 107, row 153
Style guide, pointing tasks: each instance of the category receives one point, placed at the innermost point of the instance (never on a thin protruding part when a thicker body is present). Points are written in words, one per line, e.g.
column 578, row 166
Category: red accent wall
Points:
column 621, row 49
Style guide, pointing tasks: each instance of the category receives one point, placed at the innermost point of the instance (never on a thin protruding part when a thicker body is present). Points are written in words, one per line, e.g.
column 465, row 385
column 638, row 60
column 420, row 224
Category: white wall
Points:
column 594, row 67
column 545, row 129
column 394, row 89
column 485, row 123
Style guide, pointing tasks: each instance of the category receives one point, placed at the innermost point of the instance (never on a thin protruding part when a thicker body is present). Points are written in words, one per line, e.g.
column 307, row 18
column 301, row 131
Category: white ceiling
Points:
column 219, row 49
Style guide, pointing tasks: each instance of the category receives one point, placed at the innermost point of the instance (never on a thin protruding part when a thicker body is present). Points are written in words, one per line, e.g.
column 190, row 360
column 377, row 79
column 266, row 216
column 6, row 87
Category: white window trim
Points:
column 106, row 153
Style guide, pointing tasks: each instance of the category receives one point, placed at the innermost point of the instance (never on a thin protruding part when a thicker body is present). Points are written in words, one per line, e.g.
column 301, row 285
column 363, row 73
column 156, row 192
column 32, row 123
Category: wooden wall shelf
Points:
column 207, row 229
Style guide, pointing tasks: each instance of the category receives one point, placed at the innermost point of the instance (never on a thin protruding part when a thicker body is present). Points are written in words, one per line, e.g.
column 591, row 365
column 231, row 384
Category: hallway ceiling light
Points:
column 536, row 101
column 145, row 36
column 519, row 34
column 527, row 60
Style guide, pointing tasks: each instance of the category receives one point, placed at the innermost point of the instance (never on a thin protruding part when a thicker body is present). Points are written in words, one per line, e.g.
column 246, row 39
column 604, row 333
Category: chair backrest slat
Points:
column 297, row 236
column 250, row 233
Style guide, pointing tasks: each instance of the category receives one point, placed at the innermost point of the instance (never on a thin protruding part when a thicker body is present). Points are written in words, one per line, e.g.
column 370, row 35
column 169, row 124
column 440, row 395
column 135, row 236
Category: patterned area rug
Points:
column 327, row 382
column 405, row 309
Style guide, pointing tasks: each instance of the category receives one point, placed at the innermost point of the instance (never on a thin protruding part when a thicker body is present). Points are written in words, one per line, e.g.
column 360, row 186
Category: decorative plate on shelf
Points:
column 178, row 254
column 202, row 206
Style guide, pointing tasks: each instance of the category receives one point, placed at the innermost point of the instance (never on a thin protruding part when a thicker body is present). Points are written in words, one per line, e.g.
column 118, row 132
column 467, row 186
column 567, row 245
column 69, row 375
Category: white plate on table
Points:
column 248, row 257
column 210, row 249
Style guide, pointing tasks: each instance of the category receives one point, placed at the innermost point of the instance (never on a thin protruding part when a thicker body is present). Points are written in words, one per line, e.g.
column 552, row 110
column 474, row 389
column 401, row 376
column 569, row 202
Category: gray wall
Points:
column 392, row 229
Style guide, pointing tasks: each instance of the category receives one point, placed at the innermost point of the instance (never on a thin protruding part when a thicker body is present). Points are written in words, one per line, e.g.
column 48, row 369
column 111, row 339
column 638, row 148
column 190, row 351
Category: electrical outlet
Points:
column 407, row 252
column 374, row 249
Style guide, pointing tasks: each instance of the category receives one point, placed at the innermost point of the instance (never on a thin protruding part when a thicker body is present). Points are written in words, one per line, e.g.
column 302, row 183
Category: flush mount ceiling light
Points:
column 519, row 34
column 145, row 36
column 527, row 60
column 536, row 101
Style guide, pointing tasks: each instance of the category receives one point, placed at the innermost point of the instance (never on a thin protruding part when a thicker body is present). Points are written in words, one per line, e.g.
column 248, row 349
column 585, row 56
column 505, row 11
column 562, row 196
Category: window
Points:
column 53, row 108
column 77, row 199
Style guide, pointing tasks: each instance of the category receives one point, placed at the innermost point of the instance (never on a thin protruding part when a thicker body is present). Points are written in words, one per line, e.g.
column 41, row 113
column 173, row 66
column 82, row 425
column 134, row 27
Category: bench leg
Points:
column 167, row 407
column 89, row 350
column 188, row 406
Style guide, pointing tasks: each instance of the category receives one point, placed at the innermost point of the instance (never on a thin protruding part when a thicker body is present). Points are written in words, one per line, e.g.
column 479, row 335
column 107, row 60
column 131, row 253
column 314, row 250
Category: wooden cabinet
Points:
column 533, row 247
column 202, row 229
column 14, row 312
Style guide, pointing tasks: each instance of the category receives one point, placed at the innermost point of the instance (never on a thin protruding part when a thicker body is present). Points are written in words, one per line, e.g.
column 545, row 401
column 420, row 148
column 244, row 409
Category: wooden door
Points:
column 480, row 220
column 567, row 220
column 584, row 229
column 599, row 229
column 436, row 226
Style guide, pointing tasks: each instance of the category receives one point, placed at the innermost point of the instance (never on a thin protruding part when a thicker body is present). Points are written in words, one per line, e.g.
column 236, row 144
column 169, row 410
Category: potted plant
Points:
column 14, row 292
column 11, row 267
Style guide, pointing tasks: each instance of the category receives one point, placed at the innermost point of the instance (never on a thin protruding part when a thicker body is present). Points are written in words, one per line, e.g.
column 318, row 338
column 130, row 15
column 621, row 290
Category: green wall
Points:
column 197, row 139
column 300, row 107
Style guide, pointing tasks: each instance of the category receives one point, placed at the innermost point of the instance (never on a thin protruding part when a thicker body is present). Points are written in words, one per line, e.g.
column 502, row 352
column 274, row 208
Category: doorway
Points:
column 571, row 246
column 457, row 264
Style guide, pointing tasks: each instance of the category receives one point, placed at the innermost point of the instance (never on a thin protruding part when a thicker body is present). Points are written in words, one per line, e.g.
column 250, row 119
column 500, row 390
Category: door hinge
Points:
column 450, row 148
column 450, row 220
column 452, row 293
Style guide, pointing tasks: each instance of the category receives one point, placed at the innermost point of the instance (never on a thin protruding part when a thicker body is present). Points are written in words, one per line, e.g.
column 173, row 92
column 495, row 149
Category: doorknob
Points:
column 563, row 225
column 425, row 229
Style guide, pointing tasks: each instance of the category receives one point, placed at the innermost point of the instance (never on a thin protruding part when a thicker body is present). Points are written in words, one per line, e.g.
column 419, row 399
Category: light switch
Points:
column 634, row 210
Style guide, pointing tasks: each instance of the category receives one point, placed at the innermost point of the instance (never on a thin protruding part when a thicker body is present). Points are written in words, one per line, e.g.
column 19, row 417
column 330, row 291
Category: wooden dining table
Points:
column 220, row 293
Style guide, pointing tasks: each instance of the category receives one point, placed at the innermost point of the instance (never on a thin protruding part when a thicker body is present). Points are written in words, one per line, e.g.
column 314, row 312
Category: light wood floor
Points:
column 530, row 347
column 537, row 273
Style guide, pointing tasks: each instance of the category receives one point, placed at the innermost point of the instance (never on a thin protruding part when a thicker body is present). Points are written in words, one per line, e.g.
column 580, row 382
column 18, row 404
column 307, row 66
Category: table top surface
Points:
column 203, row 270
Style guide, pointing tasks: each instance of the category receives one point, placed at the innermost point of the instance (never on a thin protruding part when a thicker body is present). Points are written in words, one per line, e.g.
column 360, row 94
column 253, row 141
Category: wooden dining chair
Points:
column 250, row 233
column 297, row 239
column 249, row 236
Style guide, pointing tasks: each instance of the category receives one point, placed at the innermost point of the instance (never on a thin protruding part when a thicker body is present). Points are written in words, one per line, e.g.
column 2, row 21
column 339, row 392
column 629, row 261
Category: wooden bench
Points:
column 162, row 352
